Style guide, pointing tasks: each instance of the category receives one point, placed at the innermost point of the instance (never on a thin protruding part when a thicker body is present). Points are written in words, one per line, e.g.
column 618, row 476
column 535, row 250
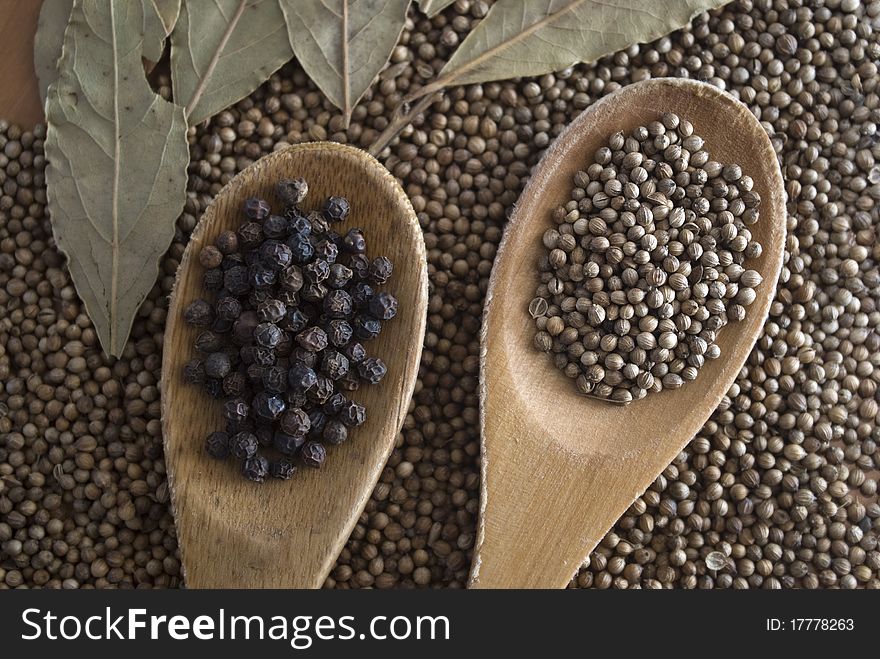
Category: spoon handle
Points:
column 546, row 507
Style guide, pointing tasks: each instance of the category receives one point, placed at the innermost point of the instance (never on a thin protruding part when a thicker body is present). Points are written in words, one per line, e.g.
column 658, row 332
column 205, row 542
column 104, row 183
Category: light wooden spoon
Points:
column 559, row 468
column 237, row 534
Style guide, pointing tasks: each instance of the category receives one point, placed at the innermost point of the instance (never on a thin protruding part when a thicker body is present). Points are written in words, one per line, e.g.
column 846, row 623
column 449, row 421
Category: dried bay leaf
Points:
column 168, row 12
column 343, row 44
column 533, row 37
column 159, row 19
column 223, row 50
column 434, row 7
column 116, row 156
column 48, row 40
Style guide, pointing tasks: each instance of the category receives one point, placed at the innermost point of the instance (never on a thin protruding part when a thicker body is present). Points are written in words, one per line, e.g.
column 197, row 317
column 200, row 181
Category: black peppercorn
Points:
column 228, row 308
column 313, row 454
column 291, row 191
column 291, row 278
column 313, row 339
column 232, row 260
column 335, row 432
column 199, row 312
column 267, row 335
column 327, row 251
column 287, row 444
column 264, row 434
column 235, row 384
column 235, row 427
column 227, row 242
column 381, row 269
column 372, row 369
column 299, row 224
column 258, row 355
column 210, row 257
column 339, row 276
column 334, row 404
column 255, row 469
column 268, row 406
column 252, row 256
column 317, row 421
column 285, row 345
column 250, row 234
column 217, row 365
column 243, row 328
column 354, row 242
column 284, row 298
column 338, row 304
column 217, row 445
column 236, row 409
column 208, row 341
column 294, row 320
column 254, row 373
column 361, row 294
column 313, row 292
column 334, row 238
column 300, row 248
column 352, row 414
column 271, row 311
column 194, row 372
column 355, row 352
column 261, row 275
column 276, row 255
column 275, row 226
column 256, row 209
column 287, row 298
column 383, row 306
column 305, row 357
column 336, row 209
column 366, row 327
column 322, row 390
column 350, row 382
column 360, row 265
column 243, row 445
column 213, row 387
column 317, row 271
column 236, row 281
column 295, row 398
column 213, row 279
column 282, row 469
column 257, row 297
column 320, row 224
column 339, row 333
column 334, row 364
column 295, row 422
column 221, row 326
column 301, row 377
column 274, row 379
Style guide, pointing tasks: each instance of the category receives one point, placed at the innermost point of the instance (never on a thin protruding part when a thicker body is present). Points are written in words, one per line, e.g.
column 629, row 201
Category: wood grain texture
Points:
column 19, row 94
column 559, row 468
column 237, row 534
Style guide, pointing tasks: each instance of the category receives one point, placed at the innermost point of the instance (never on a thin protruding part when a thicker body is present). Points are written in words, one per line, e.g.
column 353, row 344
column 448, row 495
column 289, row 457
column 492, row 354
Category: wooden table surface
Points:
column 19, row 95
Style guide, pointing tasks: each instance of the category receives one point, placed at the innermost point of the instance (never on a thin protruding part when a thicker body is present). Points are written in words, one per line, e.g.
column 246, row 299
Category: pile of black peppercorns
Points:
column 293, row 300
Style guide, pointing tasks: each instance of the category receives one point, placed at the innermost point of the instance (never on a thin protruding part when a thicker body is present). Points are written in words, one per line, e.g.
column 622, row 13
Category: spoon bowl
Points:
column 560, row 468
column 286, row 534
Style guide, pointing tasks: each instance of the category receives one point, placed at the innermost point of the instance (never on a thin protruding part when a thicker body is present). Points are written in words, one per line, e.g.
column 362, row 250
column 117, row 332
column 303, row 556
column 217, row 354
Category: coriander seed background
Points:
column 778, row 490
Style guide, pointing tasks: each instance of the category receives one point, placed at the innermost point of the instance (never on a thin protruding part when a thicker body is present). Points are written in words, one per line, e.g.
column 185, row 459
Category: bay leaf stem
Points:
column 403, row 117
column 346, row 73
column 215, row 57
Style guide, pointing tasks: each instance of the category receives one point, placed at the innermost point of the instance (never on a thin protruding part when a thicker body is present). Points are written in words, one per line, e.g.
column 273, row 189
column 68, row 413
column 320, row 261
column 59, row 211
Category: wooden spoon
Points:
column 237, row 534
column 558, row 468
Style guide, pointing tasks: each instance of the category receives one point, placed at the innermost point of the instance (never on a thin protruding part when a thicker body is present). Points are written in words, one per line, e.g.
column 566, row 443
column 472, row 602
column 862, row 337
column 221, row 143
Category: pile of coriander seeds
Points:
column 777, row 490
column 644, row 265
